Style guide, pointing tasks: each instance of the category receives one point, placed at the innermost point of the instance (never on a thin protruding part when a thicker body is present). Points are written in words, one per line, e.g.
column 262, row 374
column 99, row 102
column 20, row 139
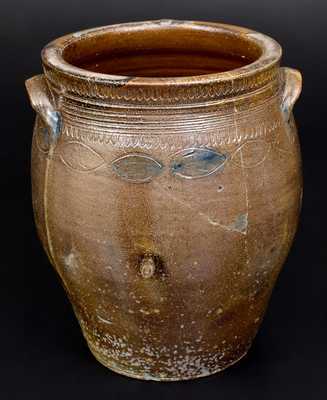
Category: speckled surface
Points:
column 167, row 215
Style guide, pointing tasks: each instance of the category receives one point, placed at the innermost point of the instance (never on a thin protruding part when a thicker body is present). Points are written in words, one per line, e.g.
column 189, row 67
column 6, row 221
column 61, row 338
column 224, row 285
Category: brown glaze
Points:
column 166, row 188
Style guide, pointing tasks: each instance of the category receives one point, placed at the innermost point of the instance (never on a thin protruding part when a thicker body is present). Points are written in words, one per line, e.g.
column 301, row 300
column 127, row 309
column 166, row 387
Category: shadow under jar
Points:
column 166, row 188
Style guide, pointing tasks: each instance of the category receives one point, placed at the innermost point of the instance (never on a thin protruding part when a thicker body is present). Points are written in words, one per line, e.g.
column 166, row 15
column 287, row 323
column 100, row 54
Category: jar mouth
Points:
column 161, row 53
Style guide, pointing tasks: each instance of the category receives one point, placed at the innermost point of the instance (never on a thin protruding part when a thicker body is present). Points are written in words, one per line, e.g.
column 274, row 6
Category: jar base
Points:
column 150, row 377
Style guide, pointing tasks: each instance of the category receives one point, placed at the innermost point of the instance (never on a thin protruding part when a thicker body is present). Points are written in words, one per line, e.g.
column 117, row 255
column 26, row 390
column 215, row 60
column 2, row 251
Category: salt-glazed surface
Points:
column 166, row 188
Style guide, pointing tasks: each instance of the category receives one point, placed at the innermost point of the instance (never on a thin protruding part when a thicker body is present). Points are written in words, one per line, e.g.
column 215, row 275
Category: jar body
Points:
column 168, row 227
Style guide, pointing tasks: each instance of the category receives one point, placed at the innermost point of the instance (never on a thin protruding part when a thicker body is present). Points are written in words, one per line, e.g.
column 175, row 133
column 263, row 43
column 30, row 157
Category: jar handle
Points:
column 292, row 81
column 43, row 102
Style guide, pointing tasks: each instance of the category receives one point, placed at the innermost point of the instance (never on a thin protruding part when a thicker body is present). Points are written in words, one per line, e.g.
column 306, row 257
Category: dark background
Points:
column 43, row 354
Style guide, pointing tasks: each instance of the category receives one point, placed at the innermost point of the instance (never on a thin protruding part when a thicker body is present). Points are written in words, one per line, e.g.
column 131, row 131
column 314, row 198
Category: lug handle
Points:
column 292, row 81
column 44, row 104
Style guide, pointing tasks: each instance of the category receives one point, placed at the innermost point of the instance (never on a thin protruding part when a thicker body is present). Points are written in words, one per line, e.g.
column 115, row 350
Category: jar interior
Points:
column 159, row 52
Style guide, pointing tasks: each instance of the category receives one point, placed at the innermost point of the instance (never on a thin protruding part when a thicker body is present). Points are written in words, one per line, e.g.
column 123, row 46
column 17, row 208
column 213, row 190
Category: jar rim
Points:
column 249, row 77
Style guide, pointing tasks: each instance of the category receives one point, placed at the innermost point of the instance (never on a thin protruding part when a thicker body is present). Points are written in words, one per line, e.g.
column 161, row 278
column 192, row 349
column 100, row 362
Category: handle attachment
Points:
column 292, row 79
column 44, row 104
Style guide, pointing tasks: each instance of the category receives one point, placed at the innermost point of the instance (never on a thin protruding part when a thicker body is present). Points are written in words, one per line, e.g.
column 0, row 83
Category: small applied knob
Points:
column 147, row 267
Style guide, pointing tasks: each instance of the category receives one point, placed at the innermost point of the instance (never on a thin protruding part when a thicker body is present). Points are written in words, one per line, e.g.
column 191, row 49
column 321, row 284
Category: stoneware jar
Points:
column 166, row 188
